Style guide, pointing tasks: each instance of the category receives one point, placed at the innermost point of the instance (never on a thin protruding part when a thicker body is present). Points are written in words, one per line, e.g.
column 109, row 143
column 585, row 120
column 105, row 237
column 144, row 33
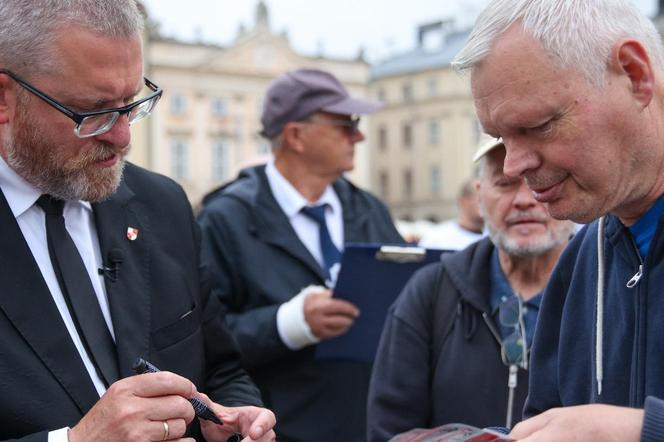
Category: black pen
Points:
column 203, row 411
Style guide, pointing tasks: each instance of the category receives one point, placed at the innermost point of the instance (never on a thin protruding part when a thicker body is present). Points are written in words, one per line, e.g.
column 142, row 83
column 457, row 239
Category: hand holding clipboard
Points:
column 371, row 278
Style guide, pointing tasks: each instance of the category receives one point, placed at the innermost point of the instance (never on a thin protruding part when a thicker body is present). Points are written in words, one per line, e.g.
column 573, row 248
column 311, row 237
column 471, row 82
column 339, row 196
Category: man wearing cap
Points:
column 450, row 349
column 273, row 240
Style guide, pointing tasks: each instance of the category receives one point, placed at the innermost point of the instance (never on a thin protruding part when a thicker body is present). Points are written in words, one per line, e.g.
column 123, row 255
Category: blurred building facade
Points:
column 422, row 141
column 205, row 129
column 419, row 146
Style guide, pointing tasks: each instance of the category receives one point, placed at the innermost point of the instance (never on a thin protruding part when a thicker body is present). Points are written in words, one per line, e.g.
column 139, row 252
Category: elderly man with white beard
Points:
column 456, row 342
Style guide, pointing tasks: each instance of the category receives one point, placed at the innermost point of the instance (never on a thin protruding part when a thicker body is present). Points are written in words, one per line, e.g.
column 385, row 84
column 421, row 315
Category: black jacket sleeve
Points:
column 400, row 392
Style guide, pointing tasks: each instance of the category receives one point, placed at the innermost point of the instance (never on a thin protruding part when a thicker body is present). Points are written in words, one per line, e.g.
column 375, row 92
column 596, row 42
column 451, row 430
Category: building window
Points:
column 178, row 104
column 220, row 160
column 407, row 135
column 179, row 159
column 407, row 91
column 260, row 103
column 435, row 180
column 380, row 95
column 219, row 107
column 264, row 147
column 434, row 133
column 407, row 184
column 382, row 138
column 239, row 129
column 384, row 184
column 433, row 86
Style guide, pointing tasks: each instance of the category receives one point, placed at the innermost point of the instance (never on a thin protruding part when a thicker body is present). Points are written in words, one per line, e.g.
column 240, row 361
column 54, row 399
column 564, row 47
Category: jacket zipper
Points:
column 636, row 379
column 492, row 328
column 637, row 276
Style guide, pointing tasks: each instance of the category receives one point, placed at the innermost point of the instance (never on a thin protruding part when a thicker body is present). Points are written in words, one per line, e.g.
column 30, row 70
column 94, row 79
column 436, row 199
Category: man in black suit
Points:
column 273, row 240
column 70, row 84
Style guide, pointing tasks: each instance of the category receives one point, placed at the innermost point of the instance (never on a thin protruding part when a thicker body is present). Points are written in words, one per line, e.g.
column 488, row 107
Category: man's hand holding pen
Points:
column 158, row 406
column 151, row 407
column 223, row 424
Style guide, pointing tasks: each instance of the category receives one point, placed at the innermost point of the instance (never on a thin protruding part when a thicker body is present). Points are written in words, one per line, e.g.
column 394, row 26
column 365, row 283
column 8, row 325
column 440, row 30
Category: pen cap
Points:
column 141, row 366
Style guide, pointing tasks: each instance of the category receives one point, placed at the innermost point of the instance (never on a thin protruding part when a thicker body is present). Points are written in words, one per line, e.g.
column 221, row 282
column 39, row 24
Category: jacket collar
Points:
column 271, row 225
column 268, row 222
column 469, row 272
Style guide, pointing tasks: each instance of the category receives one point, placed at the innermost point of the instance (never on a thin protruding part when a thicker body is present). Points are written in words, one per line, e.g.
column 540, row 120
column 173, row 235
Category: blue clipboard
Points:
column 371, row 277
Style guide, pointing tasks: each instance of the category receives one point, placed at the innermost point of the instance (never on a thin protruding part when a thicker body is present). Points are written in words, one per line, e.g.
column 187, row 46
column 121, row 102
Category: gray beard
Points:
column 544, row 244
column 36, row 161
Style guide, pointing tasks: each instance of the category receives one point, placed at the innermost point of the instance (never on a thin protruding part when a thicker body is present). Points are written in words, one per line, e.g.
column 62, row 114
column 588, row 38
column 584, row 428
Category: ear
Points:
column 292, row 136
column 478, row 185
column 7, row 98
column 630, row 57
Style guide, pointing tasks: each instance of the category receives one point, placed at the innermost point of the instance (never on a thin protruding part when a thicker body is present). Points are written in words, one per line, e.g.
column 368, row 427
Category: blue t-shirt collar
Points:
column 644, row 229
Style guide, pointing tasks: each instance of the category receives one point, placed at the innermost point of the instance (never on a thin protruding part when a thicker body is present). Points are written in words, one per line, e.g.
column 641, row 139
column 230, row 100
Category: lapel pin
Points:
column 132, row 233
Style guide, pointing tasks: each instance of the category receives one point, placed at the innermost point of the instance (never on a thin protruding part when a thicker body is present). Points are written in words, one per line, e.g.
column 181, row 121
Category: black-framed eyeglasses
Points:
column 90, row 124
column 351, row 126
column 513, row 349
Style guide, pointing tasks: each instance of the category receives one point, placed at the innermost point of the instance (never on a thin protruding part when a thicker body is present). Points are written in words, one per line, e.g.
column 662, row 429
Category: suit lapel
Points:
column 32, row 311
column 123, row 230
column 272, row 226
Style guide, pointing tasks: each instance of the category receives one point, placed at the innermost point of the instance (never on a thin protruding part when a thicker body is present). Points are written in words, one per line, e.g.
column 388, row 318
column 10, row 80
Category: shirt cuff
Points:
column 291, row 324
column 58, row 435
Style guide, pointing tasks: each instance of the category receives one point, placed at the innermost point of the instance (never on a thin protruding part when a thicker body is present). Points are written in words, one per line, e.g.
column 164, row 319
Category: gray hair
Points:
column 28, row 28
column 578, row 33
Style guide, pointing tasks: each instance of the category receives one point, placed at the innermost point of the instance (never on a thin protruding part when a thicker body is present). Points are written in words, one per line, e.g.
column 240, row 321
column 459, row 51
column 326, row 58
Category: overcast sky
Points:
column 337, row 28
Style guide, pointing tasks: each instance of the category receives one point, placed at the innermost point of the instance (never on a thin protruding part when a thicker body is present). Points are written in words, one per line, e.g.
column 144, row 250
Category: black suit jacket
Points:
column 257, row 262
column 159, row 306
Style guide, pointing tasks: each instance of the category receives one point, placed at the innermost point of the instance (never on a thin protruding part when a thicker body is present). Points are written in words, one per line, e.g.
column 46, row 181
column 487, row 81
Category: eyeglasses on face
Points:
column 350, row 126
column 513, row 350
column 91, row 124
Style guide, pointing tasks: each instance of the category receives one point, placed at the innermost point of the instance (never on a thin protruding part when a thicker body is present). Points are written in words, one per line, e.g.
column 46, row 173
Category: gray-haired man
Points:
column 574, row 88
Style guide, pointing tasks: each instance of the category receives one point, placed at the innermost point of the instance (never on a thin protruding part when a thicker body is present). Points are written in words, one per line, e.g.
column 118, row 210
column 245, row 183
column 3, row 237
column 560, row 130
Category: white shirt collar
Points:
column 289, row 199
column 20, row 194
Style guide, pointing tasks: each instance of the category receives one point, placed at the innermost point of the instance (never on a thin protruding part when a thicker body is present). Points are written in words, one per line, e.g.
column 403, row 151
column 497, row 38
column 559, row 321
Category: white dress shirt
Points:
column 291, row 324
column 291, row 202
column 79, row 222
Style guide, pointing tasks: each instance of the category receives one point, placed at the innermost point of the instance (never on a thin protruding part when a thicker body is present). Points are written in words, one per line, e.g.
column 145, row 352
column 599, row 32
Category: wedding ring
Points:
column 166, row 431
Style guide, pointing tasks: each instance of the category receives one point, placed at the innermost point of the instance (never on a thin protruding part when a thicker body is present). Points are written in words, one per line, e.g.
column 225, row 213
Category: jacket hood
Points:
column 468, row 270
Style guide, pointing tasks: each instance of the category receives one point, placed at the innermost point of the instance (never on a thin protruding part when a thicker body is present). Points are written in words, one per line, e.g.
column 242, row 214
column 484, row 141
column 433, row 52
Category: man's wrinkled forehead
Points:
column 516, row 84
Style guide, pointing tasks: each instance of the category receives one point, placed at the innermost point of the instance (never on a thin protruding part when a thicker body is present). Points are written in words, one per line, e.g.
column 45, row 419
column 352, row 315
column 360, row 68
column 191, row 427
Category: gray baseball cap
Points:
column 295, row 95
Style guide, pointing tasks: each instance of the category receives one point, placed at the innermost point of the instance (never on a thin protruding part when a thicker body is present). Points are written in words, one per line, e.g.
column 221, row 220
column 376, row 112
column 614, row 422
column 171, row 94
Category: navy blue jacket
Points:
column 257, row 262
column 418, row 382
column 563, row 358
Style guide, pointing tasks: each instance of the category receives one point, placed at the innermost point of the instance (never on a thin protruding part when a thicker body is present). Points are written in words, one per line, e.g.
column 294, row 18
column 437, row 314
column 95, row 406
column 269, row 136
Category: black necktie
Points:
column 331, row 255
column 78, row 291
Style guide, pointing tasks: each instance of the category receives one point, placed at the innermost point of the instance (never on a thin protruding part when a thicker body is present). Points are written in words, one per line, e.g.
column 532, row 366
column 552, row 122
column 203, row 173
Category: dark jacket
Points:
column 159, row 306
column 563, row 359
column 420, row 382
column 257, row 263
